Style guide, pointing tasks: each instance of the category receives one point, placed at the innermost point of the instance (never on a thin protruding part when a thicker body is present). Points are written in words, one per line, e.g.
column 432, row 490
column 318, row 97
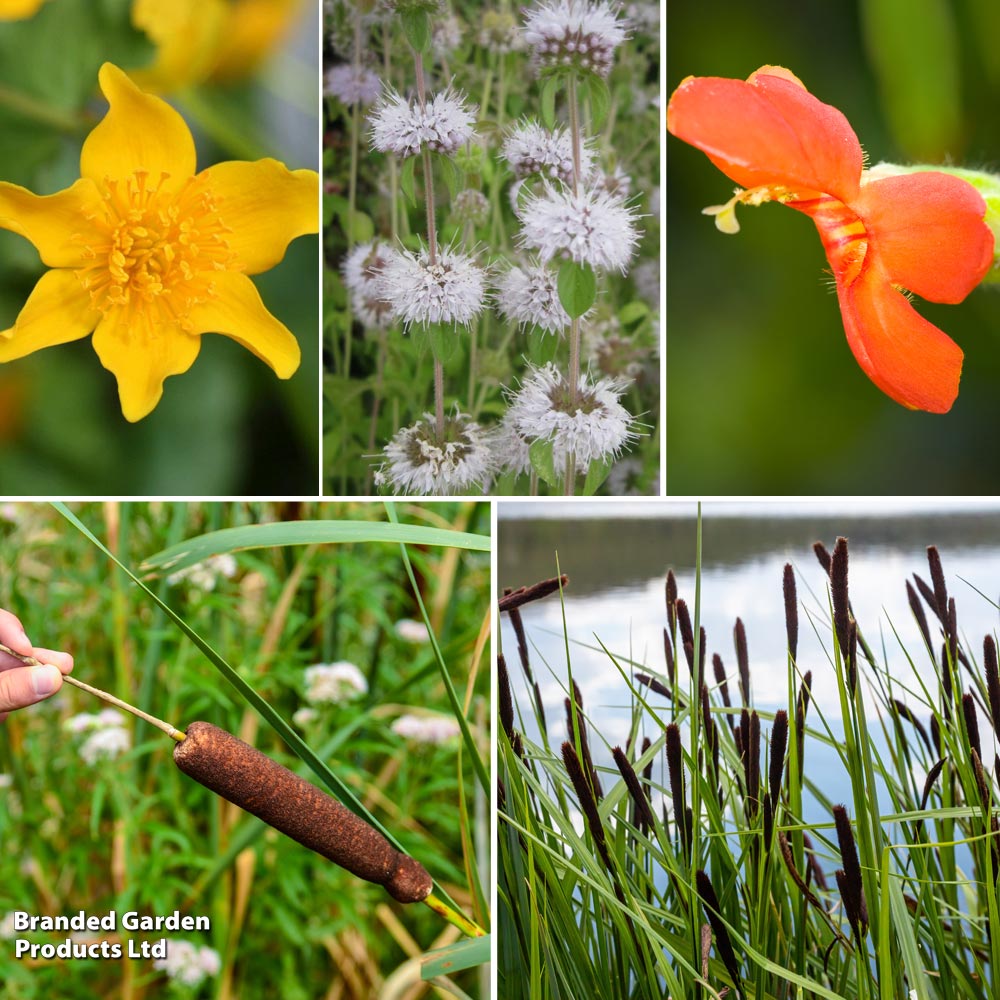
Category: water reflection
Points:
column 616, row 595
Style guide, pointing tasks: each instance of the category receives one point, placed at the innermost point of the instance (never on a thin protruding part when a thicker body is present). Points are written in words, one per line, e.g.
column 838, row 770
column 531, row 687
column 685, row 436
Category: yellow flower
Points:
column 149, row 255
column 15, row 10
column 199, row 39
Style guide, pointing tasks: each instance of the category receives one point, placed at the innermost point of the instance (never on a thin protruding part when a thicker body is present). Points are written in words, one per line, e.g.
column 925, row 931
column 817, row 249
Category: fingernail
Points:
column 44, row 680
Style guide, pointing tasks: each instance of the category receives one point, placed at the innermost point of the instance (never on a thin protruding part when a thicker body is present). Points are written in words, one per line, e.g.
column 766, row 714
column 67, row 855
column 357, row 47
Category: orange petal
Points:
column 768, row 131
column 907, row 357
column 139, row 133
column 929, row 231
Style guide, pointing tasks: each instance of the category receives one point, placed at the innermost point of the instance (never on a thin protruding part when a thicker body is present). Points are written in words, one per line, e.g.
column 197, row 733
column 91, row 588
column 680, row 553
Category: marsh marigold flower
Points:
column 922, row 232
column 16, row 10
column 148, row 255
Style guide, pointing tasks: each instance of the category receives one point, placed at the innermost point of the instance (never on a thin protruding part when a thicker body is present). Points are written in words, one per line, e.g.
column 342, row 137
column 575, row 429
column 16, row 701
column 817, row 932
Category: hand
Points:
column 21, row 685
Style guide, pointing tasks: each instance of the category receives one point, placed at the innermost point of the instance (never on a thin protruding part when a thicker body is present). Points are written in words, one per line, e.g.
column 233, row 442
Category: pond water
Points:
column 617, row 568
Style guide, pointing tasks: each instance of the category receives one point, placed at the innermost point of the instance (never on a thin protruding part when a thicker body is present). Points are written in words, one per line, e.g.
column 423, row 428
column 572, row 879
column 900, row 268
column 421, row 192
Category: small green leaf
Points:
column 577, row 288
column 600, row 101
column 633, row 313
column 597, row 472
column 444, row 341
column 406, row 179
column 357, row 225
column 549, row 90
column 451, row 173
column 417, row 29
column 542, row 346
column 464, row 954
column 543, row 462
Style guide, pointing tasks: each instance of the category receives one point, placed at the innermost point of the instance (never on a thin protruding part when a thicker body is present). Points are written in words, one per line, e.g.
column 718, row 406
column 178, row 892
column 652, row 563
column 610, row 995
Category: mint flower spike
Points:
column 987, row 184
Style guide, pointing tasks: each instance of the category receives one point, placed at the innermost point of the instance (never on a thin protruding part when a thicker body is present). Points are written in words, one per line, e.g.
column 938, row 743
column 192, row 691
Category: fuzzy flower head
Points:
column 352, row 85
column 205, row 575
column 594, row 427
column 498, row 32
column 188, row 964
column 428, row 729
column 334, row 682
column 148, row 255
column 592, row 227
column 105, row 744
column 446, row 35
column 419, row 463
column 361, row 270
column 470, row 206
column 404, row 127
column 883, row 231
column 531, row 149
column 411, row 631
column 530, row 296
column 576, row 34
column 511, row 449
column 452, row 289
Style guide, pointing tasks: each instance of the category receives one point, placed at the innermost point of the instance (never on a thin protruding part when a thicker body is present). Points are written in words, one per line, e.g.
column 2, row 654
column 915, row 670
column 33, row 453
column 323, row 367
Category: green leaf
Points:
column 406, row 179
column 256, row 536
column 600, row 101
column 543, row 463
column 542, row 347
column 577, row 288
column 417, row 29
column 548, row 97
column 360, row 227
column 597, row 472
column 464, row 954
column 444, row 341
column 451, row 173
column 633, row 313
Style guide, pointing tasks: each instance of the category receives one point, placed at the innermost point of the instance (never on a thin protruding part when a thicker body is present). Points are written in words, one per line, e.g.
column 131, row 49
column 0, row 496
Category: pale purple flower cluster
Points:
column 574, row 33
column 330, row 683
column 593, row 428
column 187, row 963
column 531, row 149
column 591, row 227
column 417, row 462
column 361, row 269
column 432, row 729
column 401, row 126
column 352, row 84
column 451, row 289
column 529, row 296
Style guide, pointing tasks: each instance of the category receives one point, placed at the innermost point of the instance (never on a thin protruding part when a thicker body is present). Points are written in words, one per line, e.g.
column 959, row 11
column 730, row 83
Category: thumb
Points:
column 22, row 686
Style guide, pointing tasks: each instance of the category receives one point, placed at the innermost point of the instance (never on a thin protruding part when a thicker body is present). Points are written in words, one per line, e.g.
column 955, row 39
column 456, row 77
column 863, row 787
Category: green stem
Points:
column 27, row 107
column 439, row 399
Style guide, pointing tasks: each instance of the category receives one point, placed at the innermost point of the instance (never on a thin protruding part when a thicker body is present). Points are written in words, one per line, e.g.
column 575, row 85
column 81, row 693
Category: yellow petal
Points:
column 56, row 224
column 237, row 312
column 254, row 29
column 58, row 310
column 139, row 133
column 266, row 206
column 187, row 35
column 142, row 356
column 14, row 10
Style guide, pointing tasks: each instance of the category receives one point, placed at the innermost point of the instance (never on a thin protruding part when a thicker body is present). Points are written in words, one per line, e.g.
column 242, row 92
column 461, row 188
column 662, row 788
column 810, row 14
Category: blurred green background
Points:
column 228, row 426
column 764, row 395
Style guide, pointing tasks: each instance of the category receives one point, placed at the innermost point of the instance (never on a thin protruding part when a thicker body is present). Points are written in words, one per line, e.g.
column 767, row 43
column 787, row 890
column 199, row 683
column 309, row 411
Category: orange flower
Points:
column 883, row 233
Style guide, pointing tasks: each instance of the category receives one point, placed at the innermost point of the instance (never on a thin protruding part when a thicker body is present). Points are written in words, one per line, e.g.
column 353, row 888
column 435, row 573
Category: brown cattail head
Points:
column 718, row 668
column 905, row 712
column 684, row 623
column 723, row 942
column 937, row 578
column 852, row 656
column 672, row 600
column 838, row 591
column 643, row 814
column 522, row 642
column 581, row 727
column 932, row 776
column 801, row 709
column 742, row 659
column 675, row 769
column 849, row 879
column 918, row 612
column 814, row 870
column 791, row 610
column 779, row 742
column 992, row 680
column 506, row 706
column 751, row 764
column 971, row 724
column 524, row 595
column 653, row 684
column 588, row 803
column 249, row 779
column 952, row 630
column 927, row 592
column 668, row 655
column 823, row 556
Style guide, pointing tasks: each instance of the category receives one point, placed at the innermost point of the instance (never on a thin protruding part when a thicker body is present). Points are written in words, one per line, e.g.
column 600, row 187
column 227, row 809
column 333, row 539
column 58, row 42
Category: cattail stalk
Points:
column 675, row 769
column 992, row 681
column 849, row 879
column 723, row 942
column 791, row 610
column 642, row 813
column 742, row 659
column 838, row 591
